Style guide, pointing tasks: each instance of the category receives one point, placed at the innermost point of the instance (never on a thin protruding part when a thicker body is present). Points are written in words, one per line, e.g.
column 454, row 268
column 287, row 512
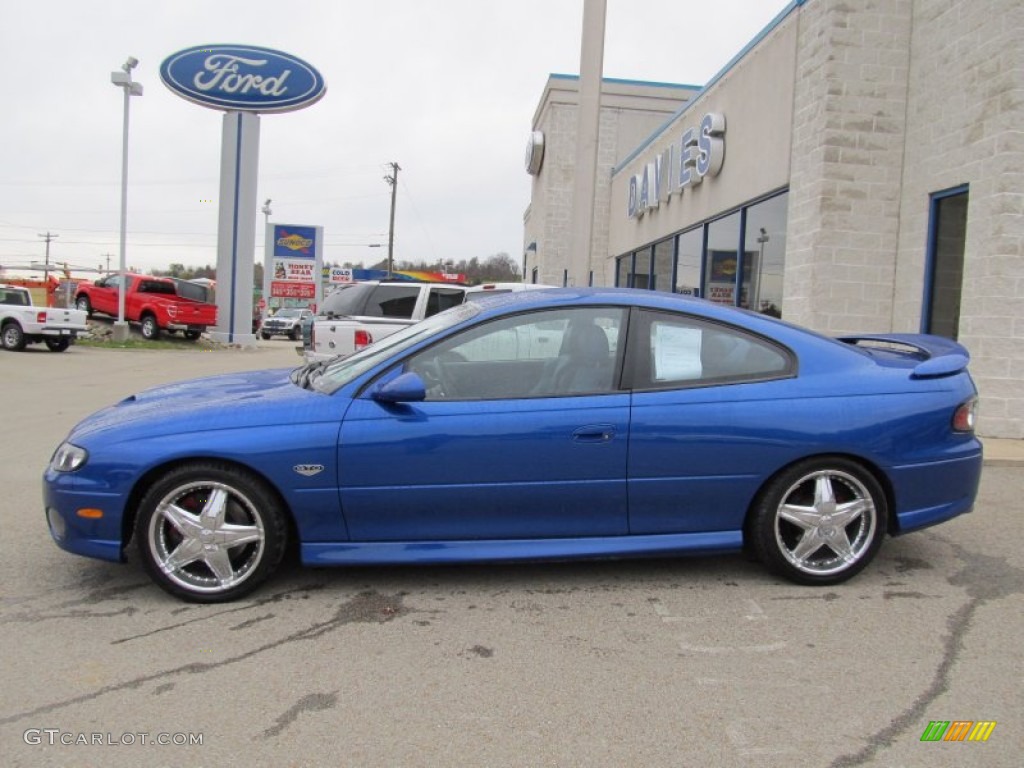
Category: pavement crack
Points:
column 314, row 702
column 984, row 578
column 366, row 608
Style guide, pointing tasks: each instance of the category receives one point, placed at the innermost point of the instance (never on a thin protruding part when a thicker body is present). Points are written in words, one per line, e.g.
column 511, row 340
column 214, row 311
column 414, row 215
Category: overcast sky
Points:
column 445, row 88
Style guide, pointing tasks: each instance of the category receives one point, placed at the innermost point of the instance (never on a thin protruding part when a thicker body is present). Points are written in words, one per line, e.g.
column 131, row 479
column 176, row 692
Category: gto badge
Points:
column 309, row 469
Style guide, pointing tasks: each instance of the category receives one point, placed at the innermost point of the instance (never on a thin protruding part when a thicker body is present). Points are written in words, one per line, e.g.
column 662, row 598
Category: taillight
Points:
column 363, row 339
column 963, row 418
column 41, row 317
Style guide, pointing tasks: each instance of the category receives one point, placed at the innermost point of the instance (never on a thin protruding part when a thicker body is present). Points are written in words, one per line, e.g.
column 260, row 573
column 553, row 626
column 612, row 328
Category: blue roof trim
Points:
column 621, row 81
column 785, row 12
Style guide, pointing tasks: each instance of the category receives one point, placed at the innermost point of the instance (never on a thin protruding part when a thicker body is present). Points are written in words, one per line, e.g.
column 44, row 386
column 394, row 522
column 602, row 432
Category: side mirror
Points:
column 407, row 388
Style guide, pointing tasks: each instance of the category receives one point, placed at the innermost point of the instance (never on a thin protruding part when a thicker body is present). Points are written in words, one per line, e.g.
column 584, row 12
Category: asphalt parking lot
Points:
column 703, row 662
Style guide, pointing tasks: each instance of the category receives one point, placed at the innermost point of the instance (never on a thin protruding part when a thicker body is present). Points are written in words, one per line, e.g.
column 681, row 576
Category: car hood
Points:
column 229, row 401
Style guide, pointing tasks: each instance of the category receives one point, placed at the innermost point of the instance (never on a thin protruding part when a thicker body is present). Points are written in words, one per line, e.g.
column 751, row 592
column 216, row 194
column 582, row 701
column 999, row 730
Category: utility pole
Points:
column 46, row 265
column 393, row 181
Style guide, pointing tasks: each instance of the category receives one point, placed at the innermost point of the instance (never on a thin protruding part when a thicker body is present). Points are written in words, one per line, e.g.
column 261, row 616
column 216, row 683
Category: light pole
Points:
column 123, row 79
column 268, row 260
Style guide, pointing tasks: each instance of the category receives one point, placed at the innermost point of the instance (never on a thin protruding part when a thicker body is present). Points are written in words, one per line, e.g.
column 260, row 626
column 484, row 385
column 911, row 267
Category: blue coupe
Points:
column 543, row 424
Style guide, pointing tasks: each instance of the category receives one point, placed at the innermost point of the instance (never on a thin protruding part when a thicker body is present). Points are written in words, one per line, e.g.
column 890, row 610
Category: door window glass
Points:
column 538, row 354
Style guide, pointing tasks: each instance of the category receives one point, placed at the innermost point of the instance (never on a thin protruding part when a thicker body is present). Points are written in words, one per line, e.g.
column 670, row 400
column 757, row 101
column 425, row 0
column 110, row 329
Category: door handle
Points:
column 594, row 433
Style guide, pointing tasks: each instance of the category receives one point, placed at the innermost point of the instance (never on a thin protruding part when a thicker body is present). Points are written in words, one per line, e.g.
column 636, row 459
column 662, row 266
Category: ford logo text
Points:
column 245, row 78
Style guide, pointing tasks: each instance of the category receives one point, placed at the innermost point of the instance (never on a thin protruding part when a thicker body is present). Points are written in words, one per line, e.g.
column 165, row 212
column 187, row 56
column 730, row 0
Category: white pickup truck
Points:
column 357, row 314
column 21, row 323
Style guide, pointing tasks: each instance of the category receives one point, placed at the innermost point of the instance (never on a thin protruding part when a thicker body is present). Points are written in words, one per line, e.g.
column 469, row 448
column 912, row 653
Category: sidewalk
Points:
column 1003, row 453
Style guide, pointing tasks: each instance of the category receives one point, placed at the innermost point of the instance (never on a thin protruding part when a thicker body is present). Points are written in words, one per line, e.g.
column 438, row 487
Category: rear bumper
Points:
column 929, row 494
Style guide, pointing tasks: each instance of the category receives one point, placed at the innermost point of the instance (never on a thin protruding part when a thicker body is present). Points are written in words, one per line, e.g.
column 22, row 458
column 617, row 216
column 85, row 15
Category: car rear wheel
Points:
column 819, row 522
column 58, row 345
column 209, row 532
column 12, row 337
column 265, row 336
column 150, row 328
column 192, row 335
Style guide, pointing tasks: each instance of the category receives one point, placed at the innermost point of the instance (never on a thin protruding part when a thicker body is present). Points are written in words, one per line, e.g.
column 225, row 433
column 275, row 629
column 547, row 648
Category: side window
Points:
column 441, row 299
column 684, row 351
column 550, row 353
column 392, row 301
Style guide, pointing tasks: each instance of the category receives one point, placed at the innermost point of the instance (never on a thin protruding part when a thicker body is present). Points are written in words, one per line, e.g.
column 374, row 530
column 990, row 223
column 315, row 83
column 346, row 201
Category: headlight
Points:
column 68, row 458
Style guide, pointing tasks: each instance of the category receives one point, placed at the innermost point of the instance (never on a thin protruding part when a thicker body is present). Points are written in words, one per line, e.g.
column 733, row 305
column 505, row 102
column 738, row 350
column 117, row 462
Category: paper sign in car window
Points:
column 676, row 352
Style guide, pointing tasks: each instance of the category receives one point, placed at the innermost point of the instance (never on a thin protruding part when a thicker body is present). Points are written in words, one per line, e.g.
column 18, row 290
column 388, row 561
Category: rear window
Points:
column 347, row 300
column 392, row 301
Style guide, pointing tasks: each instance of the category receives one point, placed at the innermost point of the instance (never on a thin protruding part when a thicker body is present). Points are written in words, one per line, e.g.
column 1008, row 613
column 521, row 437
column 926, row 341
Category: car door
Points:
column 105, row 296
column 705, row 426
column 517, row 438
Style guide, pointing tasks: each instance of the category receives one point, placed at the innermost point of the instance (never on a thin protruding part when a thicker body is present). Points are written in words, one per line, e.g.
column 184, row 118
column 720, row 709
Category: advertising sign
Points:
column 294, row 260
column 244, row 78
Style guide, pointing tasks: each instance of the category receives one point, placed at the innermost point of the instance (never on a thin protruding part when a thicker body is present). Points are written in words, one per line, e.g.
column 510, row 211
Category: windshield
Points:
column 288, row 313
column 340, row 372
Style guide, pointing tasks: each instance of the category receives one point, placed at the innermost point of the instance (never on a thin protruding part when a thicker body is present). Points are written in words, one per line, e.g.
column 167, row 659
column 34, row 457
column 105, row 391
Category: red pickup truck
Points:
column 153, row 302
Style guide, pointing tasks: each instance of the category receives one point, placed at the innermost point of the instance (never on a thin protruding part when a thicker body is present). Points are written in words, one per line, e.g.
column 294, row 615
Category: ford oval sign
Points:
column 246, row 78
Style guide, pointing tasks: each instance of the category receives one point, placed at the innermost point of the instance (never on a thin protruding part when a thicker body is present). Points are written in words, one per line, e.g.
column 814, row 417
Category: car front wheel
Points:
column 82, row 303
column 209, row 533
column 820, row 521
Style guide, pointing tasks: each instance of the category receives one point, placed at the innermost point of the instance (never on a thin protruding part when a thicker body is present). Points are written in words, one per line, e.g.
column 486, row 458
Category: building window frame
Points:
column 935, row 200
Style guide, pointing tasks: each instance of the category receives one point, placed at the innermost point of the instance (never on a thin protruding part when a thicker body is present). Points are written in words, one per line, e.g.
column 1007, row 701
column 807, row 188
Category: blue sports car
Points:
column 541, row 424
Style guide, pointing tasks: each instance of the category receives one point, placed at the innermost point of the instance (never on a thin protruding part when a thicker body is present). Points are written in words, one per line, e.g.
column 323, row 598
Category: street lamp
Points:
column 123, row 79
column 267, row 259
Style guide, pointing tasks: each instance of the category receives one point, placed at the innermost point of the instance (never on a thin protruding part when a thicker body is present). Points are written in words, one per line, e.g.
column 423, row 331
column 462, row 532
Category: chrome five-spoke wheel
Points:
column 209, row 532
column 821, row 521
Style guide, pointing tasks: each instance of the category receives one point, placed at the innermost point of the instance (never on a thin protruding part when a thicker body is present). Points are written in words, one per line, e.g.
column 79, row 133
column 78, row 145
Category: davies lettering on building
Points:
column 699, row 152
column 244, row 78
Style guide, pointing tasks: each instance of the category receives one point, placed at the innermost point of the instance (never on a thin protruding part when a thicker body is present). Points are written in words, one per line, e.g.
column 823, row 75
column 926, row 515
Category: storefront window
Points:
column 764, row 256
column 722, row 259
column 641, row 277
column 663, row 253
column 622, row 271
column 946, row 241
column 691, row 247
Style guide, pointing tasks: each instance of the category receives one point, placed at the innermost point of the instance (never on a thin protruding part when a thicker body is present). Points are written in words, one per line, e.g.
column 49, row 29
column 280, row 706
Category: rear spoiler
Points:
column 939, row 356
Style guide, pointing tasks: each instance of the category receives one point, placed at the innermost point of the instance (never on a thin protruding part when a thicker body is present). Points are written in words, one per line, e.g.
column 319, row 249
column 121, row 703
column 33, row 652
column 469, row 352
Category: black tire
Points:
column 12, row 337
column 265, row 336
column 57, row 345
column 150, row 328
column 296, row 333
column 819, row 522
column 83, row 303
column 183, row 524
column 192, row 335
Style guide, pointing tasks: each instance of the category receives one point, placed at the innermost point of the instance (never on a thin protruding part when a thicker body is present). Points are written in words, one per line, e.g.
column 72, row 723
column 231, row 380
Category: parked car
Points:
column 358, row 314
column 22, row 323
column 285, row 322
column 644, row 423
column 153, row 302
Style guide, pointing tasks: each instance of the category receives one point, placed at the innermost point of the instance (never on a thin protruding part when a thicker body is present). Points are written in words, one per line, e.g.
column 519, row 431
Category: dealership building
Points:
column 857, row 167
